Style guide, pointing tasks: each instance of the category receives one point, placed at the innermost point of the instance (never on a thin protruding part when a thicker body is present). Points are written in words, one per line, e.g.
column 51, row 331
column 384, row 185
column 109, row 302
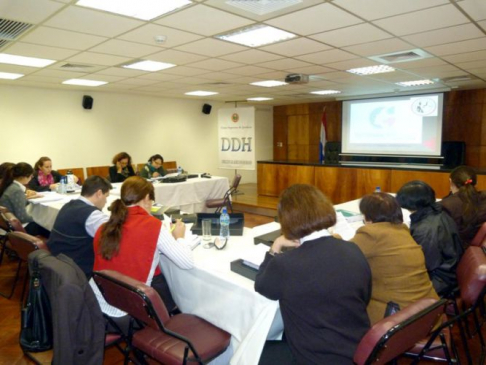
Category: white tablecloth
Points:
column 226, row 299
column 189, row 196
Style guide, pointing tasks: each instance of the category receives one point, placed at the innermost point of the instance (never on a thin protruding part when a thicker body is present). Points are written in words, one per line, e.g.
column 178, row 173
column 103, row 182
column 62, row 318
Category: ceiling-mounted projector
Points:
column 297, row 79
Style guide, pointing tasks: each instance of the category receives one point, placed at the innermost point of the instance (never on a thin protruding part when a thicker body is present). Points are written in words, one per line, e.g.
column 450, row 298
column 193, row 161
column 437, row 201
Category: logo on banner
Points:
column 235, row 118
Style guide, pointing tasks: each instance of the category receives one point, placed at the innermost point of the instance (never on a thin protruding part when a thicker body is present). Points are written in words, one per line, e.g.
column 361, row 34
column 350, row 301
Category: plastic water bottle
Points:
column 70, row 181
column 378, row 189
column 224, row 222
column 63, row 185
column 179, row 170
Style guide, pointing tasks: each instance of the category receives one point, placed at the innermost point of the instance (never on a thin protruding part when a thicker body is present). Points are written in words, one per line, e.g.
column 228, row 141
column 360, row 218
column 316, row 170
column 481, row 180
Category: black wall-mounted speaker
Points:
column 87, row 102
column 206, row 109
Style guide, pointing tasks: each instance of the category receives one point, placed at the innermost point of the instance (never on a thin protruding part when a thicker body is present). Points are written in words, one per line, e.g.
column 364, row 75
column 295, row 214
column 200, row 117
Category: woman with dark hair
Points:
column 4, row 167
column 397, row 262
column 132, row 241
column 465, row 204
column 153, row 168
column 45, row 178
column 12, row 196
column 323, row 284
column 122, row 167
column 435, row 231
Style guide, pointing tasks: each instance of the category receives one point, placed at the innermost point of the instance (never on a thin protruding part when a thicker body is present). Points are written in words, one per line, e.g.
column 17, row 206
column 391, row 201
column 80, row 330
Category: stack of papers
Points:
column 342, row 227
column 254, row 257
column 193, row 241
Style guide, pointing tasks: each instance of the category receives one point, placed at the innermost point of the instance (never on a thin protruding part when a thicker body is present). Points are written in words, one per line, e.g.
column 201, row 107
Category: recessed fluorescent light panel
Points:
column 149, row 66
column 269, row 83
column 256, row 36
column 259, row 99
column 24, row 61
column 10, row 76
column 379, row 69
column 140, row 9
column 415, row 83
column 83, row 82
column 325, row 92
column 201, row 93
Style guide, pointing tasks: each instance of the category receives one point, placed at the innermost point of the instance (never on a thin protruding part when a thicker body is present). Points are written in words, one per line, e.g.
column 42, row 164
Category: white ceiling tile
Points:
column 98, row 59
column 458, row 47
column 476, row 9
column 200, row 19
column 33, row 50
column 124, row 48
column 62, row 38
column 465, row 57
column 376, row 9
column 347, row 36
column 17, row 69
column 425, row 62
column 296, row 47
column 146, row 34
column 251, row 56
column 185, row 71
column 423, row 20
column 314, row 69
column 379, row 47
column 215, row 64
column 176, row 57
column 276, row 75
column 284, row 64
column 159, row 76
column 349, row 64
column 100, row 23
column 471, row 65
column 43, row 79
column 59, row 74
column 122, row 72
column 106, row 78
column 315, row 19
column 325, row 57
column 138, row 81
column 248, row 70
column 211, row 47
column 482, row 24
column 444, row 35
column 28, row 11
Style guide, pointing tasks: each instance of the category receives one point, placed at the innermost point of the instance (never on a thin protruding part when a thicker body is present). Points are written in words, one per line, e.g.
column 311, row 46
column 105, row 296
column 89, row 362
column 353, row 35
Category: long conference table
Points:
column 222, row 297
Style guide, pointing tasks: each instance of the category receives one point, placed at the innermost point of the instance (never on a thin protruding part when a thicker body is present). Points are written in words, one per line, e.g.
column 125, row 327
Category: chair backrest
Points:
column 24, row 244
column 15, row 224
column 102, row 171
column 236, row 181
column 132, row 296
column 78, row 171
column 480, row 236
column 394, row 335
column 471, row 275
column 4, row 223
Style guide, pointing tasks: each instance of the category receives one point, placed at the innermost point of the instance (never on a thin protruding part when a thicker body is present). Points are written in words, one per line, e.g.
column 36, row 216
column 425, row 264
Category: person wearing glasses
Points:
column 153, row 168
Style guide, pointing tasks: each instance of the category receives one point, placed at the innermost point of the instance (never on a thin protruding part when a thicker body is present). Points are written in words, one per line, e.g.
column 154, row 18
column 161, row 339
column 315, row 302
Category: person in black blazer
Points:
column 122, row 167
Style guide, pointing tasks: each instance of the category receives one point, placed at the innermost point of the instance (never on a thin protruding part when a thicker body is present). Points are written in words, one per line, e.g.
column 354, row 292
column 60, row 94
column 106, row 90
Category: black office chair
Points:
column 332, row 151
column 226, row 200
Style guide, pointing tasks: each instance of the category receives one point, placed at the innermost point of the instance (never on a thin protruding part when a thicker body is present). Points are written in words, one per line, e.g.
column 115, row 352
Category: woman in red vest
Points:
column 132, row 241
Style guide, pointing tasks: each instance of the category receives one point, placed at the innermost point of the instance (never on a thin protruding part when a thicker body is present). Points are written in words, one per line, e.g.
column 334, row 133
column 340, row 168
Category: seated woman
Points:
column 4, row 167
column 397, row 262
column 465, row 204
column 122, row 167
column 45, row 178
column 435, row 231
column 153, row 168
column 132, row 241
column 324, row 320
column 12, row 196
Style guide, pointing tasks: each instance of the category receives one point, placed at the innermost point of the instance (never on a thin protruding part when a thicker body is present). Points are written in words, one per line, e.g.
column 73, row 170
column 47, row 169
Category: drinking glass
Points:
column 206, row 232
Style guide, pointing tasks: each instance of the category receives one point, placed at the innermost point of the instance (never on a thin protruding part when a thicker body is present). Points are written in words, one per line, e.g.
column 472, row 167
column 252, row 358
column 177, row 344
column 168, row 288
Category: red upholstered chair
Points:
column 4, row 229
column 394, row 335
column 23, row 244
column 480, row 236
column 225, row 201
column 170, row 340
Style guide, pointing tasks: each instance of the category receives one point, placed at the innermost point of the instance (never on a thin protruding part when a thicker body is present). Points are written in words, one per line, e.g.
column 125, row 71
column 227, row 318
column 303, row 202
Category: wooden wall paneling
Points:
column 298, row 130
column 288, row 175
column 102, row 171
column 439, row 181
column 78, row 171
column 338, row 183
column 267, row 179
column 297, row 109
column 280, row 137
column 369, row 179
column 297, row 152
column 481, row 184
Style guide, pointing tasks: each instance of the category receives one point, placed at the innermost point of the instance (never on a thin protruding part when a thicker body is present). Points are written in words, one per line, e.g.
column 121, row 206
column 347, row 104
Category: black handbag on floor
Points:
column 36, row 316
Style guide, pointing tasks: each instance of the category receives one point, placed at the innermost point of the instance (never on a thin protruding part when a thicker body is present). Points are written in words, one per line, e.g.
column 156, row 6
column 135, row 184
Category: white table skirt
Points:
column 226, row 299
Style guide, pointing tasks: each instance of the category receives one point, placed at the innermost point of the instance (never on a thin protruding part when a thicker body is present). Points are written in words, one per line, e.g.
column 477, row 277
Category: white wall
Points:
column 49, row 122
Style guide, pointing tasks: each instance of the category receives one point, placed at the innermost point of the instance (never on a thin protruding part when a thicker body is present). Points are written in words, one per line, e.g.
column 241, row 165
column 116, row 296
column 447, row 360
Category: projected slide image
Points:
column 385, row 123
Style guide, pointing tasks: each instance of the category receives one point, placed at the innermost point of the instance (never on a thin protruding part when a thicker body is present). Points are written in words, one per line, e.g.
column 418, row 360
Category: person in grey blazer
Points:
column 12, row 196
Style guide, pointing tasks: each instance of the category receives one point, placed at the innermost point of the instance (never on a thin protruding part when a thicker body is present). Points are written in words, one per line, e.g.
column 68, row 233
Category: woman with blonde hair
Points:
column 132, row 241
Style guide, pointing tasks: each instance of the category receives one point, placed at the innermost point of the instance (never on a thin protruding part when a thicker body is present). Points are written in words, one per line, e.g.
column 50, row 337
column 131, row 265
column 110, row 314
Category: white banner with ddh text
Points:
column 237, row 138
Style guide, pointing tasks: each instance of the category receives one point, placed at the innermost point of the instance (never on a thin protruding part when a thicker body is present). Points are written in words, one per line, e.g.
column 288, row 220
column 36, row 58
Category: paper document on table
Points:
column 193, row 240
column 265, row 228
column 342, row 227
column 255, row 256
column 350, row 216
column 46, row 197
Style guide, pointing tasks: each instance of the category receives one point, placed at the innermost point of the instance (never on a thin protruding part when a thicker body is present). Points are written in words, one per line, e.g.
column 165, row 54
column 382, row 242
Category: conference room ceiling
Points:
column 331, row 37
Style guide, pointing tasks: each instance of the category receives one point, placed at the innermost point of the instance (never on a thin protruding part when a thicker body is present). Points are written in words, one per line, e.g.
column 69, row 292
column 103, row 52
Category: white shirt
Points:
column 315, row 235
column 95, row 219
column 179, row 252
